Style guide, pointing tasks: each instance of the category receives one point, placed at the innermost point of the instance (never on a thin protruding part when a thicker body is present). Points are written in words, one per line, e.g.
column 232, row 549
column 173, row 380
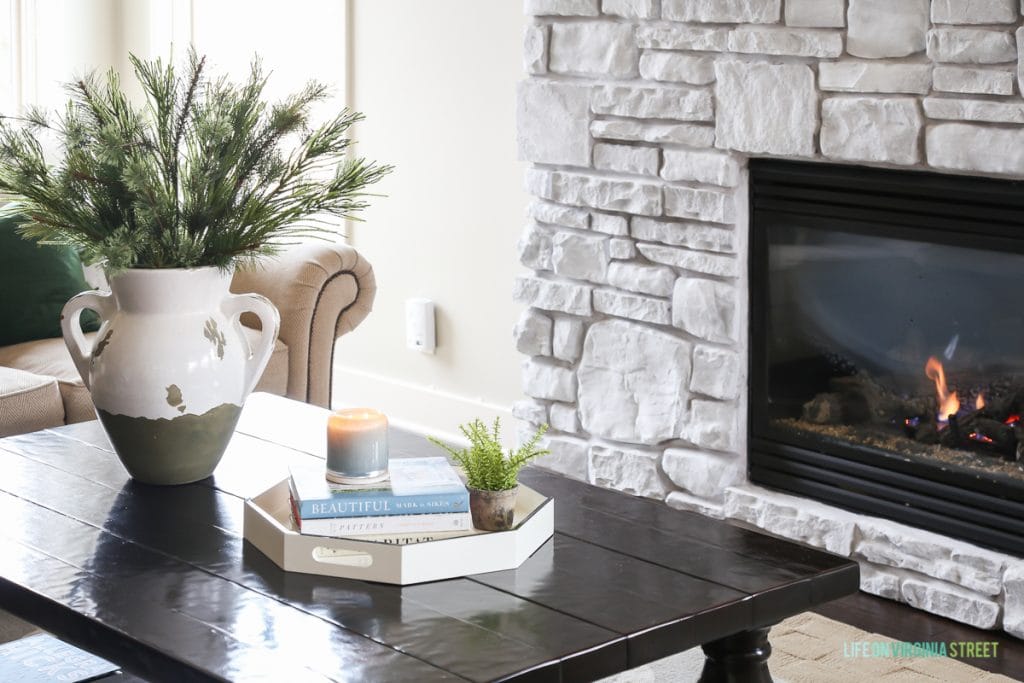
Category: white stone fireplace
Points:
column 639, row 118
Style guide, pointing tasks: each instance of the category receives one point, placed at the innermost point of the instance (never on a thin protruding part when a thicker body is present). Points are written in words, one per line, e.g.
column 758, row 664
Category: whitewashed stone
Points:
column 609, row 223
column 883, row 28
column 633, row 306
column 974, row 110
column 690, row 134
column 598, row 48
column 974, row 11
column 628, row 470
column 568, row 455
column 973, row 81
column 705, row 308
column 971, row 46
column 553, row 296
column 637, row 277
column 703, row 205
column 582, row 8
column 1020, row 50
column 546, row 212
column 716, row 373
column 681, row 500
column 620, row 248
column 712, row 424
column 681, row 104
column 883, row 582
column 951, row 602
column 868, row 129
column 674, row 67
column 535, row 247
column 552, row 121
column 530, row 410
column 682, row 37
column 765, row 108
column 860, row 76
column 546, row 379
column 1013, row 600
column 567, row 339
column 535, row 49
column 631, row 9
column 637, row 397
column 791, row 517
column 794, row 42
column 563, row 417
column 816, row 13
column 722, row 265
column 703, row 473
column 599, row 193
column 685, row 234
column 710, row 167
column 967, row 147
column 580, row 256
column 533, row 333
column 722, row 11
column 627, row 158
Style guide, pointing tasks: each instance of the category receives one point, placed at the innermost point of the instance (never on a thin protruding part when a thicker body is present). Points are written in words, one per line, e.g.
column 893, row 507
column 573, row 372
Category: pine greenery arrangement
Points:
column 486, row 466
column 204, row 174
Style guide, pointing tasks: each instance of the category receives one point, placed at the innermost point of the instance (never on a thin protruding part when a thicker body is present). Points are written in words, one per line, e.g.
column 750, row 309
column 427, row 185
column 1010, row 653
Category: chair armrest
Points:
column 322, row 290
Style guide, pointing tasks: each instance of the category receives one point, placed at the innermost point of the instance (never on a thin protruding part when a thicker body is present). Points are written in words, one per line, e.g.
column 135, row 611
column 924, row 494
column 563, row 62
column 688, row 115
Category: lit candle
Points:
column 357, row 446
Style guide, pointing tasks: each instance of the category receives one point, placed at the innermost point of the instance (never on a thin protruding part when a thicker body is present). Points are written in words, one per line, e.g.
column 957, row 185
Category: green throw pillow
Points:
column 36, row 281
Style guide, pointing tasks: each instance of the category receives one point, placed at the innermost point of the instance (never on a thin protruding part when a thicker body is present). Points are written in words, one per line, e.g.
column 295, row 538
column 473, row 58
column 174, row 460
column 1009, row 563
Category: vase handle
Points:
column 270, row 322
column 78, row 346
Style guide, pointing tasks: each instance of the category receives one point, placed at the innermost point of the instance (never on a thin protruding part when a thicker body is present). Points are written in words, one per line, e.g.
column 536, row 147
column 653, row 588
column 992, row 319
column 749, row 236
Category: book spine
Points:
column 388, row 524
column 384, row 505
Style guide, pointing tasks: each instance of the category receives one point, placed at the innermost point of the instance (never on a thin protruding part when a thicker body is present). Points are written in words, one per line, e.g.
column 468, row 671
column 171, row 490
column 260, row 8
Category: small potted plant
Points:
column 492, row 477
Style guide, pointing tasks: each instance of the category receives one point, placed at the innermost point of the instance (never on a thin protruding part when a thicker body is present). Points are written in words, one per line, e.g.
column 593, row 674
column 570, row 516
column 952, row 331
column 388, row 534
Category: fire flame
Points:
column 979, row 402
column 949, row 404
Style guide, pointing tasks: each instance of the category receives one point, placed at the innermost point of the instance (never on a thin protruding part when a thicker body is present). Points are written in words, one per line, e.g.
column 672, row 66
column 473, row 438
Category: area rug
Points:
column 810, row 648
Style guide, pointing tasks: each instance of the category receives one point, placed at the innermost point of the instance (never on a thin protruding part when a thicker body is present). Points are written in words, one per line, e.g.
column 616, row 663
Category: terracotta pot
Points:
column 169, row 368
column 492, row 510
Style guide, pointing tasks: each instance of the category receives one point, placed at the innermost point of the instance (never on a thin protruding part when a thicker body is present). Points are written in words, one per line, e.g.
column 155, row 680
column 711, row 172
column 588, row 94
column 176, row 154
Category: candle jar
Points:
column 357, row 446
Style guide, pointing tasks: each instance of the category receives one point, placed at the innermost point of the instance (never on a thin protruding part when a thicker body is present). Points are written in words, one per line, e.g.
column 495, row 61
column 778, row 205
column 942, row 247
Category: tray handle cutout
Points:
column 347, row 558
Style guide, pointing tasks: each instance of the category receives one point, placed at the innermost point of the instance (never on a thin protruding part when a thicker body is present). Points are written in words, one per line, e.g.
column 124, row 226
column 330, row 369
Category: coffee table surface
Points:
column 160, row 580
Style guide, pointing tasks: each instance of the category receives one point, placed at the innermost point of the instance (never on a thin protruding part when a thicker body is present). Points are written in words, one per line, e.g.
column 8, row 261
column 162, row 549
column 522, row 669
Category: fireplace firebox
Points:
column 887, row 344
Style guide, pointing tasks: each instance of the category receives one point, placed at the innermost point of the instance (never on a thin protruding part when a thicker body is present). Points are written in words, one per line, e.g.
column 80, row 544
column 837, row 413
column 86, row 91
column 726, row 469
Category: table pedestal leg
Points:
column 740, row 658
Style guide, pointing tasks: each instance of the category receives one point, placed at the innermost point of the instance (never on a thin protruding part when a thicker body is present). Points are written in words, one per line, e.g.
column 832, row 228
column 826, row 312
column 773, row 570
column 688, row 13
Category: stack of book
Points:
column 422, row 499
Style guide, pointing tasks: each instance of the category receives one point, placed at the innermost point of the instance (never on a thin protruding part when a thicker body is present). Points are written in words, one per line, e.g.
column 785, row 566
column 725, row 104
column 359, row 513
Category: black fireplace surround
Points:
column 887, row 345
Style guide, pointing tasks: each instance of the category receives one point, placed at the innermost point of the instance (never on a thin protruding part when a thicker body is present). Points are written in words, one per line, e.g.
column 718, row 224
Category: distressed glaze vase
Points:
column 493, row 510
column 169, row 368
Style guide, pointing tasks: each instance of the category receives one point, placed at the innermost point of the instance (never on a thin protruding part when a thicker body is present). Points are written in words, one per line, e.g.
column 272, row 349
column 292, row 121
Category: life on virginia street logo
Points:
column 954, row 649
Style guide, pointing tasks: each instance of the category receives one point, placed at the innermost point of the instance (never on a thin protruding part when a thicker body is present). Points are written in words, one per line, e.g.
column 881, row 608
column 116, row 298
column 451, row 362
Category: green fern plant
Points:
column 204, row 173
column 486, row 466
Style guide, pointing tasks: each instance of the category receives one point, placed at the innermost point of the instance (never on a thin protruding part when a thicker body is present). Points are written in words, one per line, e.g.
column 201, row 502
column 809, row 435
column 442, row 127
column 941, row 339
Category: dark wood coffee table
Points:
column 161, row 581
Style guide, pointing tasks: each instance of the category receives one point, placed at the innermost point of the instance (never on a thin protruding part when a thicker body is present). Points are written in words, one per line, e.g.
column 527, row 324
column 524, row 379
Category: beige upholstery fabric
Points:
column 28, row 402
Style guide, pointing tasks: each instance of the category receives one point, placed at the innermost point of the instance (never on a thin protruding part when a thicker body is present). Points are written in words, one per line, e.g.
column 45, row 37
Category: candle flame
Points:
column 948, row 402
column 979, row 402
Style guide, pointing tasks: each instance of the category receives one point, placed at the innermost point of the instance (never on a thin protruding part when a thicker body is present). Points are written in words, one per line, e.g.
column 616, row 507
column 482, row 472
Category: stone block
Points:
column 681, row 500
column 716, row 373
column 630, row 470
column 971, row 46
column 627, row 158
column 794, row 42
column 691, row 134
column 680, row 104
column 580, row 256
column 722, row 265
column 620, row 248
column 637, row 397
column 568, row 456
column 685, row 234
column 533, row 333
column 530, row 410
column 633, row 306
column 547, row 380
column 765, row 108
column 973, row 81
column 702, row 166
column 864, row 76
column 567, row 339
column 563, row 418
column 563, row 8
column 1013, row 599
column 637, row 277
column 869, row 129
column 882, row 28
column 974, row 11
column 674, row 67
column 631, row 9
column 706, row 309
column 609, row 224
column 722, row 11
column 797, row 519
column 535, row 49
column 712, row 424
column 596, row 48
column 577, row 189
column 816, row 13
column 546, row 212
column 974, row 110
column 703, row 473
column 682, row 37
column 553, row 121
column 951, row 602
column 1019, row 35
column 535, row 247
column 704, row 205
column 967, row 147
column 552, row 295
column 880, row 581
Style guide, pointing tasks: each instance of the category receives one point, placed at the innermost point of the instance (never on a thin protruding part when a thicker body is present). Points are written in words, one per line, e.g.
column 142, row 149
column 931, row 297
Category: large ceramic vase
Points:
column 169, row 368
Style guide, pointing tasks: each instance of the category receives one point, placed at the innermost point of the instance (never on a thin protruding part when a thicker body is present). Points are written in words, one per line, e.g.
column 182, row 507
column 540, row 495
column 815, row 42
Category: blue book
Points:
column 415, row 486
column 41, row 658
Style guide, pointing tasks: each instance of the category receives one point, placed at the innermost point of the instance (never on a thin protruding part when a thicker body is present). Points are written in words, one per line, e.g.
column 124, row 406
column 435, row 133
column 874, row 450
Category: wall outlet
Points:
column 419, row 325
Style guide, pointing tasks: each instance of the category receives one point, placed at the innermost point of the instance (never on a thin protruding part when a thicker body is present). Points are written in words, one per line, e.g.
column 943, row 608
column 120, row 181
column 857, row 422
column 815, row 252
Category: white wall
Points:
column 436, row 81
